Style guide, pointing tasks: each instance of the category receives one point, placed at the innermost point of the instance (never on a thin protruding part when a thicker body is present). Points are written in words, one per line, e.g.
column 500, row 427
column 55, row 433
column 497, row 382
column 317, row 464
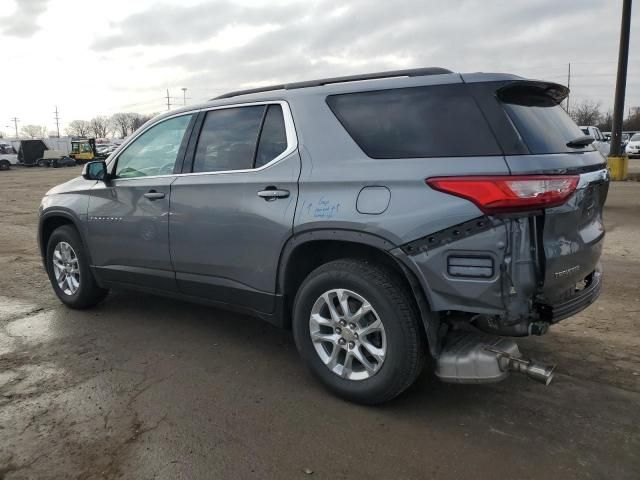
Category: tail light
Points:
column 504, row 194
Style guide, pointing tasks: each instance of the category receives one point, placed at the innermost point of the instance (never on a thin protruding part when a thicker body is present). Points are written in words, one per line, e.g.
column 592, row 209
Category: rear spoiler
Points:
column 526, row 88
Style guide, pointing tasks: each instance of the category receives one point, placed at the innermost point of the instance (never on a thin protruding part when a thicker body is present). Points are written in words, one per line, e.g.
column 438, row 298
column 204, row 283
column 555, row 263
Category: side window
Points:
column 273, row 138
column 228, row 139
column 434, row 121
column 155, row 151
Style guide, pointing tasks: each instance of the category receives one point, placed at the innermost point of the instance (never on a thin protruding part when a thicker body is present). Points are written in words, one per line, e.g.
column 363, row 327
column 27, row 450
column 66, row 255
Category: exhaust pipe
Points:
column 532, row 369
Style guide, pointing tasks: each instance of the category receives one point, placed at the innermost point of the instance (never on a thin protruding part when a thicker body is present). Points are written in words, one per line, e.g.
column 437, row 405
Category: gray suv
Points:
column 386, row 218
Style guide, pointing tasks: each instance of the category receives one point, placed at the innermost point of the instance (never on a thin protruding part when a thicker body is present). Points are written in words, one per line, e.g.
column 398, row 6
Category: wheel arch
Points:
column 306, row 251
column 48, row 224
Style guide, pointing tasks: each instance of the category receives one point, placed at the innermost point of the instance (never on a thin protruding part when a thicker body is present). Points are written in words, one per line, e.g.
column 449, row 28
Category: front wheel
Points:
column 68, row 270
column 358, row 331
column 5, row 165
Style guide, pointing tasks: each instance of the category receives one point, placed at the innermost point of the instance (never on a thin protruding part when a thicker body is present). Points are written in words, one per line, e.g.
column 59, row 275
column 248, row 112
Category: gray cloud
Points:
column 333, row 37
column 24, row 21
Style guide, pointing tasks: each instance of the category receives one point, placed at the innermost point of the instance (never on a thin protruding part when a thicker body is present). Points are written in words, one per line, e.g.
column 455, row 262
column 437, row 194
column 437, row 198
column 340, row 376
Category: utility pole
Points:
column 168, row 100
column 57, row 121
column 184, row 95
column 568, row 85
column 15, row 123
column 621, row 83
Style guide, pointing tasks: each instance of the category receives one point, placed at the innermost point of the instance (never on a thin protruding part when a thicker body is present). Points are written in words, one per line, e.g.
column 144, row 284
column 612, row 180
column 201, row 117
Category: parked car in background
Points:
column 103, row 151
column 8, row 156
column 349, row 210
column 57, row 161
column 599, row 141
column 633, row 146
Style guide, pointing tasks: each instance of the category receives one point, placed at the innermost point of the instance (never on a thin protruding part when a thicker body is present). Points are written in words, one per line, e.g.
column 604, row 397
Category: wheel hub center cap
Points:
column 348, row 335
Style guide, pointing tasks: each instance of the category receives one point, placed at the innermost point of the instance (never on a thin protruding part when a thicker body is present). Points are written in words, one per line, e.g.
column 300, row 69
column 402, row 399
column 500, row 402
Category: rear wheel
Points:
column 5, row 165
column 69, row 272
column 357, row 331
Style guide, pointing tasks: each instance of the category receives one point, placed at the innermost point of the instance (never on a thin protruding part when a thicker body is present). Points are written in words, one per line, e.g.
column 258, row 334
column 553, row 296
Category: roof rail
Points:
column 413, row 72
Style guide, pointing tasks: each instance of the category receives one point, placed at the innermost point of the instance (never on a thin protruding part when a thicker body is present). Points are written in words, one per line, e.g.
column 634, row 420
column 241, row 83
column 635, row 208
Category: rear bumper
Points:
column 581, row 300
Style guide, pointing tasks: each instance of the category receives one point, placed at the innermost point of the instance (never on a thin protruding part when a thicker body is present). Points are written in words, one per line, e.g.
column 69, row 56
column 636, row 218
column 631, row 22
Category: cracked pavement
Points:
column 145, row 387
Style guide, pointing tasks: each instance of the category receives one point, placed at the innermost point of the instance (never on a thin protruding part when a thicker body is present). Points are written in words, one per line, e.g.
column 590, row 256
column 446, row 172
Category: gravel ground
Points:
column 144, row 387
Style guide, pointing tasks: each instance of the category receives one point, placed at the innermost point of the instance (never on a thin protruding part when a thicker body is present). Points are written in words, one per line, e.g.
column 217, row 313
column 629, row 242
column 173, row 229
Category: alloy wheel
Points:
column 66, row 268
column 347, row 334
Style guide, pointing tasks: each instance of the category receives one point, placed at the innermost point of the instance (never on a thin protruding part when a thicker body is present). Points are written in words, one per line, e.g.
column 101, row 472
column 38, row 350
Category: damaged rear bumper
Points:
column 575, row 303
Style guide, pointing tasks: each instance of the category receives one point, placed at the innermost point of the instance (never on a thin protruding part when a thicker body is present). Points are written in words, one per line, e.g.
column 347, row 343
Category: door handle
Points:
column 272, row 193
column 153, row 195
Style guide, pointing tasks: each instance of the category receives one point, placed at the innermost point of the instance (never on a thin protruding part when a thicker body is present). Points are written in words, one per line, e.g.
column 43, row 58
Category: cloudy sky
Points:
column 93, row 57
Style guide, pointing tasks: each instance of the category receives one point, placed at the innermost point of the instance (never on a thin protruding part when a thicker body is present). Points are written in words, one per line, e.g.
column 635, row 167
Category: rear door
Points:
column 232, row 212
column 128, row 217
column 571, row 234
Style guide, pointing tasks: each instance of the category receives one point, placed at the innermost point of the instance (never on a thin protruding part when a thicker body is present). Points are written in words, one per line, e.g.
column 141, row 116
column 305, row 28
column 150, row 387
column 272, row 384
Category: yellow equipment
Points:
column 84, row 150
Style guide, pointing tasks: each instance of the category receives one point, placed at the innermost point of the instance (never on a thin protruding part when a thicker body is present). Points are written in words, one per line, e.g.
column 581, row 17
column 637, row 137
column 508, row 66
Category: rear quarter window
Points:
column 541, row 122
column 415, row 122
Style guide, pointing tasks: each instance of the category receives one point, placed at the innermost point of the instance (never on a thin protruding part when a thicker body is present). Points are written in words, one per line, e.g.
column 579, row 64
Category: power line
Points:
column 57, row 121
column 621, row 82
column 568, row 85
column 15, row 123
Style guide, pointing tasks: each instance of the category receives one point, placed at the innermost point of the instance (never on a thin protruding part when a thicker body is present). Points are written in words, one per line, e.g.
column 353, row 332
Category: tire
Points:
column 383, row 291
column 42, row 163
column 88, row 293
column 5, row 165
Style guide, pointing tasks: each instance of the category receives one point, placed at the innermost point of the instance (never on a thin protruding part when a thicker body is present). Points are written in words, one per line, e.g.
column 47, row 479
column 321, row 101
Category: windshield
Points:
column 636, row 137
column 542, row 123
column 7, row 149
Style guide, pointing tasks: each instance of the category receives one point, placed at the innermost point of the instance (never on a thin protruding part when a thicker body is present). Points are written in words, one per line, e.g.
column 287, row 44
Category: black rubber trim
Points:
column 448, row 235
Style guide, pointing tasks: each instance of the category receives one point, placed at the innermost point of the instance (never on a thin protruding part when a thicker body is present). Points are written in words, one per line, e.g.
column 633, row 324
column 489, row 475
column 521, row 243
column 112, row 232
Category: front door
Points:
column 128, row 216
column 231, row 216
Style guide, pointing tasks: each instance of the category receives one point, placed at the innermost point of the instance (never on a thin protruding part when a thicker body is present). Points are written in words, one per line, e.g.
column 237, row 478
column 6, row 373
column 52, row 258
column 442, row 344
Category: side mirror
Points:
column 95, row 171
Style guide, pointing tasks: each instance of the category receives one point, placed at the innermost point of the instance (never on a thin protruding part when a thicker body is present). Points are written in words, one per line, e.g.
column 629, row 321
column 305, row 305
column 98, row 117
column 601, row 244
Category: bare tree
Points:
column 632, row 122
column 586, row 112
column 78, row 128
column 137, row 120
column 121, row 122
column 34, row 131
column 606, row 122
column 100, row 126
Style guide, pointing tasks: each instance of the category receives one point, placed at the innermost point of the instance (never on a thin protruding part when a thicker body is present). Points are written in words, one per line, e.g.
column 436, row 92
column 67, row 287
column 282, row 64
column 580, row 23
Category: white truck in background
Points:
column 8, row 156
column 599, row 141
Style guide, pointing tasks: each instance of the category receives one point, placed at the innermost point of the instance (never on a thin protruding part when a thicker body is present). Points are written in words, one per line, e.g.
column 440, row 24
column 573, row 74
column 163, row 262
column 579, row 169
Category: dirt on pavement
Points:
column 146, row 387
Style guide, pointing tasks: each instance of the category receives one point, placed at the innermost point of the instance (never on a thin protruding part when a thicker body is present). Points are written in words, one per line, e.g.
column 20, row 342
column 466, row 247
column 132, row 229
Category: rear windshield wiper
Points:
column 580, row 142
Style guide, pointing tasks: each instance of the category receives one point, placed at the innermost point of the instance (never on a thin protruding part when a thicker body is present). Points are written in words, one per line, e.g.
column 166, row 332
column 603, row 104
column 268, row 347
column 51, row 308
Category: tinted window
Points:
column 437, row 121
column 228, row 139
column 273, row 138
column 544, row 126
column 7, row 149
column 155, row 151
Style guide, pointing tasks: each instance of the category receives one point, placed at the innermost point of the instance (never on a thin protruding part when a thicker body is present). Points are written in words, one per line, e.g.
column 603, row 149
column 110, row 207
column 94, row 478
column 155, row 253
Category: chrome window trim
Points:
column 290, row 130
